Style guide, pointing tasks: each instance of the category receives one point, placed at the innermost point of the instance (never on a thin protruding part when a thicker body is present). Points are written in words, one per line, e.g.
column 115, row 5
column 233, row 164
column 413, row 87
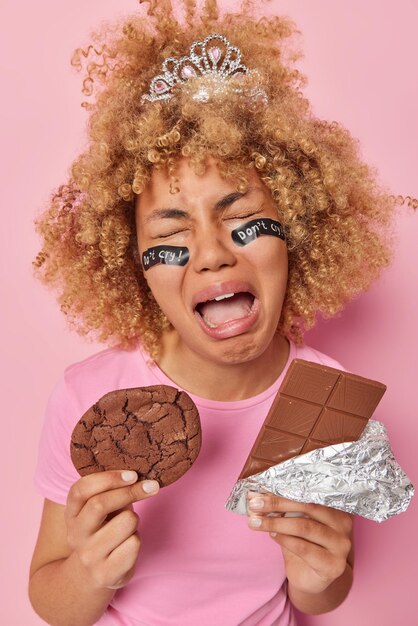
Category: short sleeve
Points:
column 55, row 473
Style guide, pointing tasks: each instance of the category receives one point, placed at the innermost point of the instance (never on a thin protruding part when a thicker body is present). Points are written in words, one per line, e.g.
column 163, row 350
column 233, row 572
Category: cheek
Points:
column 164, row 282
column 269, row 256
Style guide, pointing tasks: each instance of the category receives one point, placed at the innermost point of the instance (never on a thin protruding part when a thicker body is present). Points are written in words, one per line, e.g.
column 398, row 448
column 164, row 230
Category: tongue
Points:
column 217, row 313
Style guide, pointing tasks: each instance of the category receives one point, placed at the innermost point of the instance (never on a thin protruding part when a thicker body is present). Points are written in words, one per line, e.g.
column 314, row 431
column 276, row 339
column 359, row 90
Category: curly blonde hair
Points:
column 335, row 214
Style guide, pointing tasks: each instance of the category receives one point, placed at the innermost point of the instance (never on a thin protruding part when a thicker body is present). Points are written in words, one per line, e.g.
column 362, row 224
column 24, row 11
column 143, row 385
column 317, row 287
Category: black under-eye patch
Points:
column 250, row 231
column 165, row 255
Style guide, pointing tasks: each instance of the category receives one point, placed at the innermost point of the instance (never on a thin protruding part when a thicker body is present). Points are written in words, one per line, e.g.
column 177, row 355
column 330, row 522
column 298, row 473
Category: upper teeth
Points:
column 226, row 295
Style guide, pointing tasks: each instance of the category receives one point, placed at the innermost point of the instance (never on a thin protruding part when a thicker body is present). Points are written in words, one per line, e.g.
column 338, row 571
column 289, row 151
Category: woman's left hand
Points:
column 316, row 540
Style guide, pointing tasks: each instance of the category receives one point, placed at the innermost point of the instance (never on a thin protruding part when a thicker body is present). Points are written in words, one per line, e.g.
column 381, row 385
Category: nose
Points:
column 212, row 251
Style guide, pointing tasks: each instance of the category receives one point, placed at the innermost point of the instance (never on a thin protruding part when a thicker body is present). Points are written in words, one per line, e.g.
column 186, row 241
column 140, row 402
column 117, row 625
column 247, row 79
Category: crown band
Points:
column 213, row 57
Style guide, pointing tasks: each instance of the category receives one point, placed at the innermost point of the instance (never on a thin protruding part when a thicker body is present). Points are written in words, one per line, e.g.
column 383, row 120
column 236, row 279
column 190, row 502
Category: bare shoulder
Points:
column 52, row 542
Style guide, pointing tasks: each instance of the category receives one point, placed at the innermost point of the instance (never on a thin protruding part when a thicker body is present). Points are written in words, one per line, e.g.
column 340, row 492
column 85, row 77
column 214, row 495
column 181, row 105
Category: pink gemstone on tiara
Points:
column 188, row 71
column 215, row 53
column 160, row 86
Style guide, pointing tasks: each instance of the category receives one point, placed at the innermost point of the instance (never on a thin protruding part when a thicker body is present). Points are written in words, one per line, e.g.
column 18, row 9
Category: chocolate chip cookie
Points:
column 152, row 430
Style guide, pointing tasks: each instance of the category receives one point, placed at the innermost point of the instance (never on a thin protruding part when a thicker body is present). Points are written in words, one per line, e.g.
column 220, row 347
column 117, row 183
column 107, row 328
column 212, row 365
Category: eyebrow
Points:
column 176, row 213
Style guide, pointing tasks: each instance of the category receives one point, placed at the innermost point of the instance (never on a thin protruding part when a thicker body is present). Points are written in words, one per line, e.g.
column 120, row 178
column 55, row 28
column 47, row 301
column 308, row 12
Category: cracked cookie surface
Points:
column 152, row 430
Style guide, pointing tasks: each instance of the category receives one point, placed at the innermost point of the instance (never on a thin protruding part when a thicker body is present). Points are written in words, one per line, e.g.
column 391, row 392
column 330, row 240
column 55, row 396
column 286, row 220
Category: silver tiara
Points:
column 214, row 58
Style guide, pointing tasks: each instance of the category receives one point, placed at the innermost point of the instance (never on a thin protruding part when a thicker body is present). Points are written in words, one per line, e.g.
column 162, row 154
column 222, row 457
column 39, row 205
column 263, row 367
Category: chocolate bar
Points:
column 316, row 406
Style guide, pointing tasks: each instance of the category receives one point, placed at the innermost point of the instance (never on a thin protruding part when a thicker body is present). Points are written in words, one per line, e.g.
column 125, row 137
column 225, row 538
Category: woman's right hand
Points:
column 102, row 525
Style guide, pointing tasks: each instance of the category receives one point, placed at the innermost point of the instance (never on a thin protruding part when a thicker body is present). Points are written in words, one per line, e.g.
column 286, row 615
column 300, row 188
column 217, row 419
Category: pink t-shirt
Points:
column 199, row 564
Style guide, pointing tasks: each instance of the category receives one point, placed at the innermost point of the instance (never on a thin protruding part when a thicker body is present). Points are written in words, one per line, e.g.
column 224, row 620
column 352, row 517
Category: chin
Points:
column 243, row 350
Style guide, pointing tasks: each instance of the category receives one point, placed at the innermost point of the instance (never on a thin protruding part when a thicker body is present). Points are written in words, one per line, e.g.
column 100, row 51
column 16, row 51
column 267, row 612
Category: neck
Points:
column 223, row 381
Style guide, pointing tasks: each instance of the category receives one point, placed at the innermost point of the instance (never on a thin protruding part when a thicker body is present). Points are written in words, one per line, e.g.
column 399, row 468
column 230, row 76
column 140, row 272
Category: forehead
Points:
column 194, row 188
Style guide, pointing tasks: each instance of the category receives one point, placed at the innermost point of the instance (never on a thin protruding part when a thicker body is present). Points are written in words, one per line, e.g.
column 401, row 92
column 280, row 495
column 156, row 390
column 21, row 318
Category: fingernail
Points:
column 255, row 522
column 149, row 486
column 273, row 534
column 128, row 476
column 256, row 503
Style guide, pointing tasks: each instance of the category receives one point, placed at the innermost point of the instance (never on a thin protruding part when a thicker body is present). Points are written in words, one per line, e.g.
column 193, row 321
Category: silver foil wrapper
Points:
column 360, row 477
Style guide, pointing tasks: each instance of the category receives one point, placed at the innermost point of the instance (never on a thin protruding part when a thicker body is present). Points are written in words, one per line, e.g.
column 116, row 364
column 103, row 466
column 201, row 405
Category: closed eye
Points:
column 170, row 234
column 243, row 216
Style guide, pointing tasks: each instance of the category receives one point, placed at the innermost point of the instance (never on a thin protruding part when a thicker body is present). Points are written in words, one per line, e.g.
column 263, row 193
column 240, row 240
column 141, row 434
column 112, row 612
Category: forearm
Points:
column 327, row 600
column 63, row 595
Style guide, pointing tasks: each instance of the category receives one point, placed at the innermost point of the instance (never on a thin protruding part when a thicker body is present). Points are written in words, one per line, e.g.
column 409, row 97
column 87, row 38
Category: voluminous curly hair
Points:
column 335, row 214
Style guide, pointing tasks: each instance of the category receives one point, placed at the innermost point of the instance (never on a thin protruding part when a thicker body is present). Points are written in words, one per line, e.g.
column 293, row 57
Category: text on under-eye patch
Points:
column 250, row 231
column 165, row 255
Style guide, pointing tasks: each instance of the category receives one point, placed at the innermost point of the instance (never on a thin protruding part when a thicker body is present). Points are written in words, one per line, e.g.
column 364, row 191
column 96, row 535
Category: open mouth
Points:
column 228, row 307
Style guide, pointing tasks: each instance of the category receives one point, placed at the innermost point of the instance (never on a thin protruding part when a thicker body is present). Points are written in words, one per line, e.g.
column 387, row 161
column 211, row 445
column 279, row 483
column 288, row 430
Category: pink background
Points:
column 361, row 60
